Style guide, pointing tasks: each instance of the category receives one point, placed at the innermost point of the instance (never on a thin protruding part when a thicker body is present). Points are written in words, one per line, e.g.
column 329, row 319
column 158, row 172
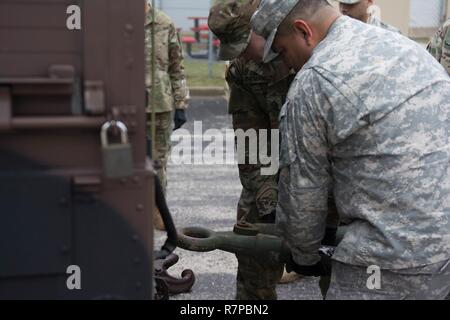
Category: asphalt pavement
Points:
column 206, row 195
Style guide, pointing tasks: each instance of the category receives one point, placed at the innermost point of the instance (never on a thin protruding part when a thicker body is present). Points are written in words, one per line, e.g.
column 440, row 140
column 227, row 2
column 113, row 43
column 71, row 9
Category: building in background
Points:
column 415, row 18
column 426, row 16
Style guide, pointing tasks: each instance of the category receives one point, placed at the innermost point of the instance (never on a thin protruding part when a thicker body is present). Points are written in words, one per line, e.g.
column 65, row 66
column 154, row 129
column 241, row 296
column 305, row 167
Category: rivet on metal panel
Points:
column 139, row 207
column 129, row 28
column 137, row 260
column 135, row 237
column 123, row 181
column 136, row 179
column 138, row 285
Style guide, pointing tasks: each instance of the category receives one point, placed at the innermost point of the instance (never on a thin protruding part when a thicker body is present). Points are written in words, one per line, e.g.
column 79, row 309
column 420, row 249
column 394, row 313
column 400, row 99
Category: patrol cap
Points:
column 230, row 21
column 268, row 18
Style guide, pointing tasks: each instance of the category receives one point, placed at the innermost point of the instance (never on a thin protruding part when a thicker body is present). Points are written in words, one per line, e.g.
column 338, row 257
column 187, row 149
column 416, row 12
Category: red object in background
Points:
column 188, row 39
column 196, row 27
column 202, row 27
column 201, row 32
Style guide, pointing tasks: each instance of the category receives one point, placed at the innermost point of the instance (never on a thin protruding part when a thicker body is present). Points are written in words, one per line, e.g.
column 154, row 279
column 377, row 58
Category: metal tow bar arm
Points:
column 246, row 238
column 249, row 239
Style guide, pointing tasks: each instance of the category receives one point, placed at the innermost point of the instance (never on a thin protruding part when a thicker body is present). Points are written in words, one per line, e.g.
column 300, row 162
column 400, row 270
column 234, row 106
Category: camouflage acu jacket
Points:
column 439, row 46
column 257, row 86
column 170, row 83
column 369, row 115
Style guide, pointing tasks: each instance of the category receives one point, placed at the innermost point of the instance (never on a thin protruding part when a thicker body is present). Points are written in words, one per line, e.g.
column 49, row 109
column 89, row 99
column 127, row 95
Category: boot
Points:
column 289, row 277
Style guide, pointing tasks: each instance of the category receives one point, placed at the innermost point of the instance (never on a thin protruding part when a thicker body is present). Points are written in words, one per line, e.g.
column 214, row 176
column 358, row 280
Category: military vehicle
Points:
column 76, row 186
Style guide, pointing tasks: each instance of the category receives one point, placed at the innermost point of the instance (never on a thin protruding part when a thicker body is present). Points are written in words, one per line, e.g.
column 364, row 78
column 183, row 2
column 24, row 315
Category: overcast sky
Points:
column 180, row 10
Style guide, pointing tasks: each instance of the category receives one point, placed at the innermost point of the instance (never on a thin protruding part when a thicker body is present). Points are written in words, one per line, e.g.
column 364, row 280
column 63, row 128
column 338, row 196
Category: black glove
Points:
column 268, row 218
column 179, row 119
column 321, row 268
column 330, row 236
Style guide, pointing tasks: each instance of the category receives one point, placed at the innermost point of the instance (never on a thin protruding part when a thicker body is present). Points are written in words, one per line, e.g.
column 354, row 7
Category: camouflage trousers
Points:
column 163, row 144
column 257, row 277
column 426, row 283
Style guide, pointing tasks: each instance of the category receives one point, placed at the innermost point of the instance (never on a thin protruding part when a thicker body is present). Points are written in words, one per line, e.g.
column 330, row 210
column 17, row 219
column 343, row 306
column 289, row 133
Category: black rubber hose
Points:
column 171, row 243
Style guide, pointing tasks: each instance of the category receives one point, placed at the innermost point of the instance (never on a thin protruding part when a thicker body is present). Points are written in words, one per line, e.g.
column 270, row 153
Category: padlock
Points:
column 117, row 157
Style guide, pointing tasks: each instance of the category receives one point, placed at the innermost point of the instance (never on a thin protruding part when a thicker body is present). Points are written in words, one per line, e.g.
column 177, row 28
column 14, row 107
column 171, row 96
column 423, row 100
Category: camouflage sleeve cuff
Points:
column 182, row 105
column 303, row 258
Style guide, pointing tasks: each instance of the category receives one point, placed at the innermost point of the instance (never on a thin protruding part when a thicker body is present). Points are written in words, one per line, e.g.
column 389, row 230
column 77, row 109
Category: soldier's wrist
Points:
column 305, row 259
column 180, row 107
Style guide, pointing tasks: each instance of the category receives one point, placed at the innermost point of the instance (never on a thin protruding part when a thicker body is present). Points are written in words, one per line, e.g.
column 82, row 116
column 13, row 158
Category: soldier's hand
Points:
column 321, row 268
column 179, row 118
column 330, row 236
column 268, row 218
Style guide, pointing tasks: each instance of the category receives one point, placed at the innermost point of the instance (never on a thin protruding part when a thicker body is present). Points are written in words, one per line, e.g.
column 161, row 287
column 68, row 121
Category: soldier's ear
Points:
column 303, row 29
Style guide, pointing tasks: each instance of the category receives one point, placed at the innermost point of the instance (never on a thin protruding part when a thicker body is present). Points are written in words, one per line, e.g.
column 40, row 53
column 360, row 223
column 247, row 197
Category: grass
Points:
column 197, row 73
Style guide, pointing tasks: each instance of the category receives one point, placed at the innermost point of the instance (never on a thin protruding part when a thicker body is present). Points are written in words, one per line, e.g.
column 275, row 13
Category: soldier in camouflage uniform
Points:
column 359, row 9
column 171, row 92
column 439, row 46
column 369, row 114
column 257, row 92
